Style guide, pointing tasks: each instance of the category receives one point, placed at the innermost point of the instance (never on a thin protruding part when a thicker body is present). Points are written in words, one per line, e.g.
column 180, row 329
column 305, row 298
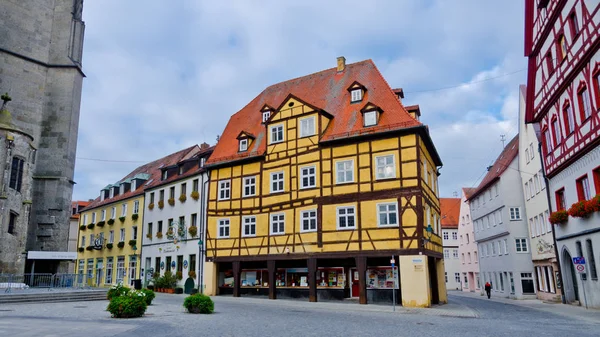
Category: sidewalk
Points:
column 445, row 310
column 571, row 311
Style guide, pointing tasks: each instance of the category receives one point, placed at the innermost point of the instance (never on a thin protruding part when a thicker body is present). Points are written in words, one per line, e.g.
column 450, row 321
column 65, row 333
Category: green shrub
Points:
column 116, row 291
column 149, row 295
column 199, row 304
column 133, row 304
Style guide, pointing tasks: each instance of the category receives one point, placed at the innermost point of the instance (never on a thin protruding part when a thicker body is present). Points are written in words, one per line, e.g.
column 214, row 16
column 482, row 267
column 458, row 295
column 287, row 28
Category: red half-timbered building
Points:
column 562, row 42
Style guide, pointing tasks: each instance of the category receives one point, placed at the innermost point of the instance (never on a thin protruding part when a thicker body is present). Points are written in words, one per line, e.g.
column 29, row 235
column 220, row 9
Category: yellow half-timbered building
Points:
column 317, row 185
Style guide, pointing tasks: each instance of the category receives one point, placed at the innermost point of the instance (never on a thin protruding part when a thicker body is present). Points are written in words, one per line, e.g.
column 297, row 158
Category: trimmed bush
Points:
column 151, row 206
column 122, row 218
column 109, row 245
column 121, row 244
column 171, row 201
column 199, row 304
column 150, row 295
column 133, row 304
column 110, row 221
column 134, row 216
column 161, row 204
column 195, row 195
column 116, row 291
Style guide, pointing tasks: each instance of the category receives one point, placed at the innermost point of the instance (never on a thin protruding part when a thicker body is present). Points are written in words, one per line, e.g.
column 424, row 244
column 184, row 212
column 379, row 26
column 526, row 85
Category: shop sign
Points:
column 297, row 270
column 98, row 243
column 169, row 249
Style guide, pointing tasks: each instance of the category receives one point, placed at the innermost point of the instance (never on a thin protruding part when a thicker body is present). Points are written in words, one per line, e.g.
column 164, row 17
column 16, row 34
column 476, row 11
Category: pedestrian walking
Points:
column 488, row 289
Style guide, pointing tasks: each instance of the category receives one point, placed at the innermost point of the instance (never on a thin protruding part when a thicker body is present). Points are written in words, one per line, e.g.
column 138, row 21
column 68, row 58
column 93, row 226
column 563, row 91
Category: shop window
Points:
column 583, row 188
column 527, row 283
column 308, row 220
column 381, row 278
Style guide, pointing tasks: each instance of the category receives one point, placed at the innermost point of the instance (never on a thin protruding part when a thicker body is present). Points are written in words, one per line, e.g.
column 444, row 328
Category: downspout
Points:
column 202, row 231
column 546, row 182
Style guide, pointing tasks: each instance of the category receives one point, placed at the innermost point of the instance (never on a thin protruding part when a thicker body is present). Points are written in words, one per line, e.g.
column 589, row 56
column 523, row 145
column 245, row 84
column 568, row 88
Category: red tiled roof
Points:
column 81, row 204
column 468, row 191
column 153, row 169
column 326, row 90
column 190, row 172
column 502, row 162
column 449, row 211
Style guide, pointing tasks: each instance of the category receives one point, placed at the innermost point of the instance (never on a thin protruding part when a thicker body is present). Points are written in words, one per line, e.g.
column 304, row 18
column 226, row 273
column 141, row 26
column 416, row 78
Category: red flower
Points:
column 558, row 217
column 578, row 210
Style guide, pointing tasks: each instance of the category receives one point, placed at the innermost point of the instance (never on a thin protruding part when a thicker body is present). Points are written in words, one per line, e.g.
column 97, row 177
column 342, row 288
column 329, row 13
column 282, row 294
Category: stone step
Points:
column 92, row 295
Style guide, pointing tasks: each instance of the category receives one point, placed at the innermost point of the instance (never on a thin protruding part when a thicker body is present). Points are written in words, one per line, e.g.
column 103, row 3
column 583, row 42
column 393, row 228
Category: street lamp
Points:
column 429, row 231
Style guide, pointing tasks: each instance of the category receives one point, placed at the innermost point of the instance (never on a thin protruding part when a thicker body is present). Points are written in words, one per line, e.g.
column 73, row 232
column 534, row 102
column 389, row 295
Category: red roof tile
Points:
column 190, row 172
column 326, row 90
column 468, row 191
column 154, row 170
column 81, row 204
column 449, row 211
column 509, row 153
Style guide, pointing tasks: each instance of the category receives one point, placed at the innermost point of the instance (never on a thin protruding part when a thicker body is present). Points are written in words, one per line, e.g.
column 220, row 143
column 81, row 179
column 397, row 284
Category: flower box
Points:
column 122, row 218
column 82, row 227
column 151, row 206
column 182, row 198
column 132, row 242
column 110, row 221
column 149, row 236
column 195, row 195
column 81, row 249
column 193, row 230
column 161, row 204
column 134, row 216
column 121, row 244
column 109, row 245
column 558, row 217
column 90, row 226
column 171, row 201
column 159, row 235
column 89, row 248
column 100, row 223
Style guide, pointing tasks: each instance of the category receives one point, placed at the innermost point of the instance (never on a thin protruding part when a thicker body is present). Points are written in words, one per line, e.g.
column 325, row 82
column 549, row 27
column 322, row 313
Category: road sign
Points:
column 580, row 268
column 578, row 260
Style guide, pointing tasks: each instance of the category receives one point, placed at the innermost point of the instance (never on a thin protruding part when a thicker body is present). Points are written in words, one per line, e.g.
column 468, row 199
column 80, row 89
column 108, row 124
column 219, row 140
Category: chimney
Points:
column 204, row 146
column 341, row 64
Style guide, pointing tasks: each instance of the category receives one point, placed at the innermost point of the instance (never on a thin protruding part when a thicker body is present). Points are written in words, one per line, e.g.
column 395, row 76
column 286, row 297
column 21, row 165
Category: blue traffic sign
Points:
column 578, row 260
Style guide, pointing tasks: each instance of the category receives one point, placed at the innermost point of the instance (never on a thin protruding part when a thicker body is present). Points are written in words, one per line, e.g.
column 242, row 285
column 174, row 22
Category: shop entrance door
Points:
column 355, row 286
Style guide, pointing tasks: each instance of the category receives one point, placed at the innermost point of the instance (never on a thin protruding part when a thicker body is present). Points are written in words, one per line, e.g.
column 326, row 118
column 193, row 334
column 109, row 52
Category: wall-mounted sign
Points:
column 168, row 249
column 173, row 264
column 162, row 265
column 98, row 243
column 47, row 255
column 185, row 264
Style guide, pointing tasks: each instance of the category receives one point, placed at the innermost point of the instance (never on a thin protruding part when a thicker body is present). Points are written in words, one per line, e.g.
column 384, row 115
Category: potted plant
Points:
column 199, row 304
column 134, row 216
column 578, row 210
column 179, row 276
column 121, row 244
column 171, row 201
column 159, row 235
column 193, row 230
column 169, row 281
column 558, row 217
column 122, row 218
column 161, row 204
column 81, row 249
column 149, row 236
column 151, row 206
column 192, row 274
column 82, row 227
column 110, row 221
column 132, row 304
column 109, row 245
column 195, row 195
column 100, row 223
column 132, row 242
column 182, row 198
column 90, row 225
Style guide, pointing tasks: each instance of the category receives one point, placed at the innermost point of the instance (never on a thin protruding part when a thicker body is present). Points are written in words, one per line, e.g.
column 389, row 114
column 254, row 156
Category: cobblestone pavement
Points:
column 464, row 316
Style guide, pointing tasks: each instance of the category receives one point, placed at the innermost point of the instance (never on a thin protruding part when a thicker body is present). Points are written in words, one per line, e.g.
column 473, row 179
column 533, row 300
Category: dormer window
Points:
column 266, row 115
column 243, row 145
column 370, row 118
column 122, row 189
column 202, row 161
column 101, row 196
column 356, row 95
column 111, row 193
column 133, row 185
column 164, row 175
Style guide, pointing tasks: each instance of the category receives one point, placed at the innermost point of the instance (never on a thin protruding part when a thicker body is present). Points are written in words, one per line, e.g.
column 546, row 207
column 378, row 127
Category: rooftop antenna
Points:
column 455, row 194
column 502, row 139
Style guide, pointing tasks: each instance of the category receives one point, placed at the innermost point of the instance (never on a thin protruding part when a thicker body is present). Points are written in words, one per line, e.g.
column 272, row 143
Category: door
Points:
column 355, row 284
column 570, row 279
column 99, row 267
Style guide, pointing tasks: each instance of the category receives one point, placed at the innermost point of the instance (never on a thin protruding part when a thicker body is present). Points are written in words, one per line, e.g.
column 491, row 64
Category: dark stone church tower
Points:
column 40, row 69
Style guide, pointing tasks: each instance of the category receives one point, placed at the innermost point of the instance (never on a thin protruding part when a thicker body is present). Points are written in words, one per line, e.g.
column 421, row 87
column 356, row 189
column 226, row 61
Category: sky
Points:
column 168, row 74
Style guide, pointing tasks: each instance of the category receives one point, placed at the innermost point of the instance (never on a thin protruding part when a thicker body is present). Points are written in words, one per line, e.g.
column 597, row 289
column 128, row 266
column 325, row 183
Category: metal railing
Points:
column 10, row 282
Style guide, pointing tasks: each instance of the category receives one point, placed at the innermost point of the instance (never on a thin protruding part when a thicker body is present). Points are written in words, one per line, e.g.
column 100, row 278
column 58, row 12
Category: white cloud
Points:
column 162, row 77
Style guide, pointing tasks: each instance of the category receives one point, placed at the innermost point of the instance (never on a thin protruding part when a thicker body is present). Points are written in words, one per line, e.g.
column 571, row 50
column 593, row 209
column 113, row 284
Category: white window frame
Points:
column 277, row 180
column 355, row 95
column 249, row 222
column 136, row 207
column 93, row 217
column 122, row 235
column 111, row 236
column 345, row 215
column 275, row 128
column 521, row 243
column 243, row 145
column 223, row 223
column 344, row 170
column 446, row 235
column 306, row 216
column 455, row 253
column 134, row 232
column 113, row 212
column 308, row 176
column 265, row 115
column 387, row 213
column 277, row 218
column 384, row 166
column 370, row 118
column 515, row 213
column 307, row 126
column 454, row 235
column 103, row 215
column 226, row 189
column 505, row 246
column 250, row 183
column 83, row 241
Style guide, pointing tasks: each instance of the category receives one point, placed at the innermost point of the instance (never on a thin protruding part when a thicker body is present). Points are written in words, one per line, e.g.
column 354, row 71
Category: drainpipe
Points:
column 201, row 248
column 547, row 183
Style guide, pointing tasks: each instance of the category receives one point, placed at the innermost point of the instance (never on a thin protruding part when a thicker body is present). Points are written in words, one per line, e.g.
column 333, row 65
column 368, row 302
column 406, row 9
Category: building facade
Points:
column 41, row 72
column 76, row 207
column 562, row 42
column 110, row 227
column 450, row 209
column 469, row 268
column 317, row 184
column 536, row 207
column 499, row 220
column 174, row 220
